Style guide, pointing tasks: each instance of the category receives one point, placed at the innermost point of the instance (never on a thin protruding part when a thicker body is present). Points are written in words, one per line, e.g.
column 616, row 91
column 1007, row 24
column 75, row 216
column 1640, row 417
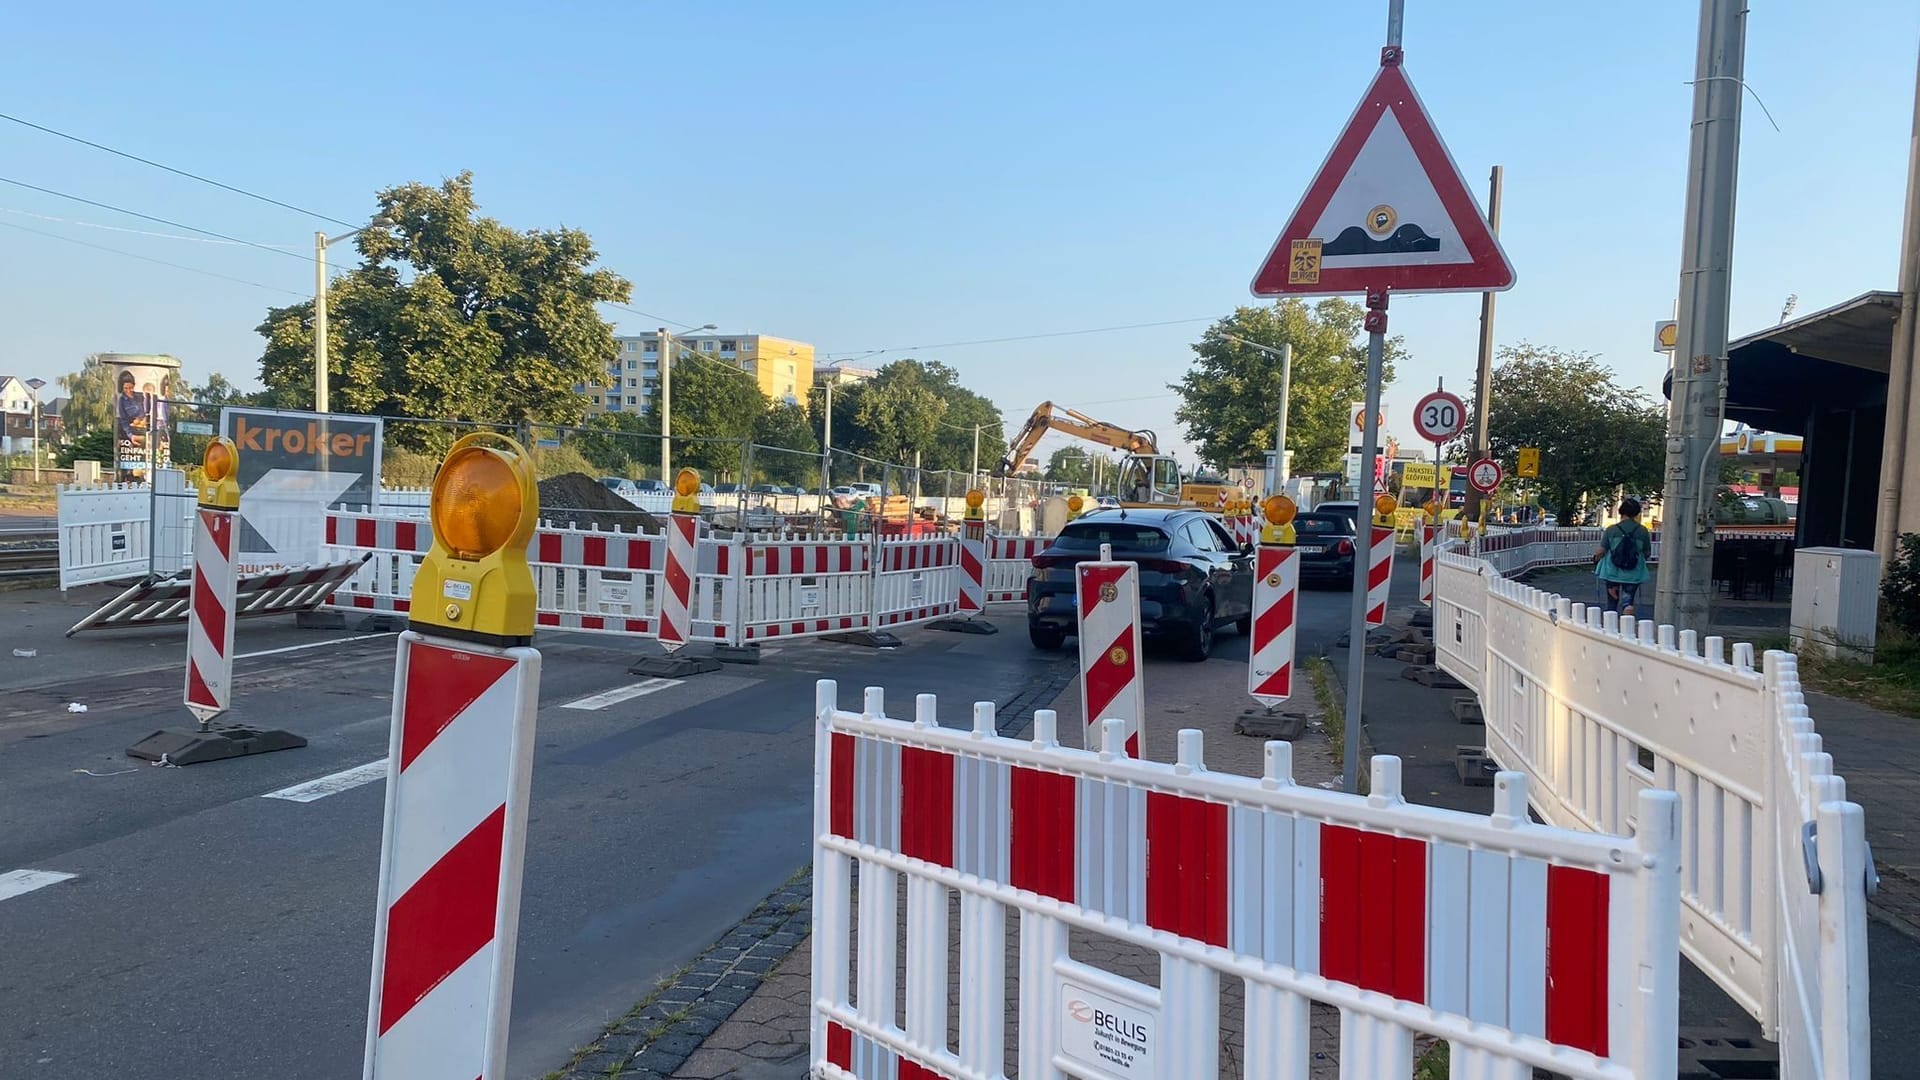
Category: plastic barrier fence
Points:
column 916, row 580
column 115, row 531
column 272, row 592
column 1524, row 945
column 806, row 587
column 1595, row 709
column 1009, row 562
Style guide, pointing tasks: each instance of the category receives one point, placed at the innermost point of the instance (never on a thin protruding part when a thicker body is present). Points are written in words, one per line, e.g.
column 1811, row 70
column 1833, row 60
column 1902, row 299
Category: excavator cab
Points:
column 1150, row 480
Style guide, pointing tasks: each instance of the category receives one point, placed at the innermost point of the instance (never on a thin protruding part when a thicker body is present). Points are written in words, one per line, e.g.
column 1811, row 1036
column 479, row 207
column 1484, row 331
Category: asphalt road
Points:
column 210, row 932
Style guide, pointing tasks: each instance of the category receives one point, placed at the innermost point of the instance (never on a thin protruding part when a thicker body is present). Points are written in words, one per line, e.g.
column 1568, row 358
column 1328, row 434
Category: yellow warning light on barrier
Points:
column 1074, row 503
column 975, row 500
column 1385, row 505
column 686, row 492
column 220, row 469
column 475, row 583
column 1278, row 511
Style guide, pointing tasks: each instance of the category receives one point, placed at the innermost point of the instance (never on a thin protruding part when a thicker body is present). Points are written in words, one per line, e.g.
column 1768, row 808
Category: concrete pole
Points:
column 320, row 322
column 1280, row 426
column 1700, row 358
column 1483, row 379
column 666, row 407
column 1897, row 514
column 973, row 478
column 826, row 445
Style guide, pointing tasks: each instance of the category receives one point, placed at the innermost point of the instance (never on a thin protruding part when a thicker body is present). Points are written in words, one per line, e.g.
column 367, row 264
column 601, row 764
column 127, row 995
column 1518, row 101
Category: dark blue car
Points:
column 1193, row 578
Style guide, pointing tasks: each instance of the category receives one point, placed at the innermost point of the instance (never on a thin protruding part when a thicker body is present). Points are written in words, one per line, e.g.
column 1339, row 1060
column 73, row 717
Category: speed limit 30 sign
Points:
column 1439, row 416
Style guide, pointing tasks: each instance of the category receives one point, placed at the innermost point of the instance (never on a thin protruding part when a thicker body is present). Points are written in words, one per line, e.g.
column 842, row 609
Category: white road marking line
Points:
column 313, row 645
column 19, row 882
column 620, row 694
column 332, row 783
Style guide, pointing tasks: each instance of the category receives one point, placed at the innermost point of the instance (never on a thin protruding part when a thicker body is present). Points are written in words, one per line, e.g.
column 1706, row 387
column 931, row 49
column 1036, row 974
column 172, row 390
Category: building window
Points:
column 629, row 345
column 633, row 400
column 706, row 346
column 633, row 365
column 596, row 399
column 729, row 346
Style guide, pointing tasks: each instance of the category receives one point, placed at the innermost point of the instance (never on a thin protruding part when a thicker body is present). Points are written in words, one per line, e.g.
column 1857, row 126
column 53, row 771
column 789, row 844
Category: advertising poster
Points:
column 141, row 432
column 293, row 467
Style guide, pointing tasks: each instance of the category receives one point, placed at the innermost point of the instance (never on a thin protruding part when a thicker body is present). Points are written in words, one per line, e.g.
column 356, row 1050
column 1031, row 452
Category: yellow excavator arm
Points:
column 1050, row 417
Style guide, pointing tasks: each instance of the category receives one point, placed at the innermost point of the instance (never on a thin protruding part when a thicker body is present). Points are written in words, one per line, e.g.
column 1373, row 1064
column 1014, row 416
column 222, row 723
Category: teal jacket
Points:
column 1617, row 534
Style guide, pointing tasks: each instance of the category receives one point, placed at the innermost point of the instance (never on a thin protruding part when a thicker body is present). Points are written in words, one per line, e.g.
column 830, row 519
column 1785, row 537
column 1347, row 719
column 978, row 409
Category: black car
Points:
column 1193, row 577
column 1326, row 543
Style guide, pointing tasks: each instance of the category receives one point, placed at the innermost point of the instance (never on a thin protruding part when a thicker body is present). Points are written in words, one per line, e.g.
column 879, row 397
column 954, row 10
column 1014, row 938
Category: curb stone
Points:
column 657, row 1036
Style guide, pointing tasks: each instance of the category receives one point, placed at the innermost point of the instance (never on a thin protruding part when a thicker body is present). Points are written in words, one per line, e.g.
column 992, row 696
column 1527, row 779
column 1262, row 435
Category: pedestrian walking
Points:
column 1620, row 562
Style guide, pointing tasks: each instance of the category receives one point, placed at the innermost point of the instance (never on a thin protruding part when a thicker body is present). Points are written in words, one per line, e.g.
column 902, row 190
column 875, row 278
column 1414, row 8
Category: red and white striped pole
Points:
column 1428, row 548
column 1111, row 687
column 1276, row 598
column 459, row 768
column 683, row 548
column 210, row 614
column 973, row 557
column 1380, row 560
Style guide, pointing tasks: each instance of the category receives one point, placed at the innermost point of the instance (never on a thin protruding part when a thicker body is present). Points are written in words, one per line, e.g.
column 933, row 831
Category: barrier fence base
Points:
column 1466, row 709
column 737, row 654
column 674, row 666
column 872, row 639
column 320, row 620
column 1269, row 724
column 959, row 625
column 1422, row 617
column 218, row 743
column 1476, row 769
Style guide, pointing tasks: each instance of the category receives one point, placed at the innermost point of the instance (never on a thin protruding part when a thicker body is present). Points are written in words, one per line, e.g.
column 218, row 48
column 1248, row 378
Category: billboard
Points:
column 293, row 467
column 142, row 383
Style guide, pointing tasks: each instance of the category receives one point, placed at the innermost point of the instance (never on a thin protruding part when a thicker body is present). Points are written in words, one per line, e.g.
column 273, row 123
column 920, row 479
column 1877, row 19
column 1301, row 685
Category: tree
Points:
column 1230, row 396
column 912, row 405
column 785, row 450
column 1070, row 465
column 715, row 407
column 1594, row 434
column 453, row 317
column 89, row 398
column 219, row 391
column 95, row 445
column 896, row 417
column 615, row 443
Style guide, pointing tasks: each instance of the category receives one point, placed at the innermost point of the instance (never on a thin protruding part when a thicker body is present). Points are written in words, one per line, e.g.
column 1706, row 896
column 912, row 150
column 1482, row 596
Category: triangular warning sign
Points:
column 1387, row 210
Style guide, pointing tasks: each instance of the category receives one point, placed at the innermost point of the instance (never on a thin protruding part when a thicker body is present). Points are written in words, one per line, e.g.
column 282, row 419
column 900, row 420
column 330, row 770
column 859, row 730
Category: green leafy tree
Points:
column 89, row 398
column 452, row 316
column 1594, row 434
column 219, row 391
column 896, row 417
column 715, row 407
column 1070, row 465
column 95, row 445
column 786, row 450
column 1229, row 397
column 617, row 444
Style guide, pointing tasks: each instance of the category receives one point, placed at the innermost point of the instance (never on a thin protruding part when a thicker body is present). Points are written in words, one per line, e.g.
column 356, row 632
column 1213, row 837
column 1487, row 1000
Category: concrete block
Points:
column 1466, row 709
column 1261, row 724
column 1476, row 769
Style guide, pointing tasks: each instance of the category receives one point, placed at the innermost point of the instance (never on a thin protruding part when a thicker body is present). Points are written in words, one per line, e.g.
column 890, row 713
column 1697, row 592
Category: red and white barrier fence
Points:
column 1379, row 573
column 1429, row 546
column 1009, row 562
column 1111, row 682
column 1524, row 945
column 801, row 588
column 915, row 579
column 211, row 614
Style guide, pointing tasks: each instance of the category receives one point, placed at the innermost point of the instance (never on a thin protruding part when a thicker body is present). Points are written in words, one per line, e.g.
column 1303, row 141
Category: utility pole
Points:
column 1700, row 356
column 1280, row 426
column 1897, row 514
column 320, row 322
column 973, row 480
column 1483, row 380
column 826, row 445
column 666, row 407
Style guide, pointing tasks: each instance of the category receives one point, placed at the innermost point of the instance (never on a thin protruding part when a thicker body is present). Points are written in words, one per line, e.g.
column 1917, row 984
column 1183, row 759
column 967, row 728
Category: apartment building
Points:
column 783, row 367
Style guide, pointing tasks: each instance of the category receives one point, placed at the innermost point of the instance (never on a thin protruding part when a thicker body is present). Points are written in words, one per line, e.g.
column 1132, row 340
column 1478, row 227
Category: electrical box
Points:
column 1836, row 601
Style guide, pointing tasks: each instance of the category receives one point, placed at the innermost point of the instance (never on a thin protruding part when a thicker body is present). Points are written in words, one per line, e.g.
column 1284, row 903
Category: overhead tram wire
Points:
column 156, row 220
column 855, row 354
column 150, row 259
column 177, row 172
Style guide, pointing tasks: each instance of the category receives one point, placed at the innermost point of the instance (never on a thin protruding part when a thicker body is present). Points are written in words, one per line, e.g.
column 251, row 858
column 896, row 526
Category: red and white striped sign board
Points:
column 1276, row 598
column 210, row 615
column 1428, row 550
column 1379, row 573
column 1110, row 680
column 973, row 568
column 459, row 767
column 676, row 590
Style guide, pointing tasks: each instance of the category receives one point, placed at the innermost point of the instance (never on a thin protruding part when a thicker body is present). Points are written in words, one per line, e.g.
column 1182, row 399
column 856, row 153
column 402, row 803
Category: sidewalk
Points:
column 766, row 1037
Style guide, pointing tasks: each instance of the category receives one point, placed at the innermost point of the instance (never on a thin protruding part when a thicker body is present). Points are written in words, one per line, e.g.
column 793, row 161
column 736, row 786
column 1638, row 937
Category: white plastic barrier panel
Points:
column 1524, row 945
column 806, row 587
column 394, row 547
column 915, row 579
column 598, row 581
column 109, row 532
column 1009, row 564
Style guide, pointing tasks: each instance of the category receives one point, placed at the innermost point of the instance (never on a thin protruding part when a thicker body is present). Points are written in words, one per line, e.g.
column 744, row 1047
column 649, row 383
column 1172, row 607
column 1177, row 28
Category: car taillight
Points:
column 1163, row 566
column 1344, row 547
column 1046, row 562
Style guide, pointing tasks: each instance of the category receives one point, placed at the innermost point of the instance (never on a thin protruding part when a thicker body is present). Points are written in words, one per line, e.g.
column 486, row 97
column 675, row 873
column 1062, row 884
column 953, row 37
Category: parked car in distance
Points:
column 1349, row 510
column 1326, row 543
column 1193, row 578
column 650, row 487
column 622, row 487
column 1107, row 502
column 769, row 489
column 727, row 489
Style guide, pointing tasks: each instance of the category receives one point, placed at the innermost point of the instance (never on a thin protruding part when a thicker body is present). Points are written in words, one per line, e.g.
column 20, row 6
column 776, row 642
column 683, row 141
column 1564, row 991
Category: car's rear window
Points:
column 1089, row 535
column 1322, row 524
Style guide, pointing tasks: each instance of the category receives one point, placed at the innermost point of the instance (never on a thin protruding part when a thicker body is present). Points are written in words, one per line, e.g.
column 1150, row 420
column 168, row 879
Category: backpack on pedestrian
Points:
column 1625, row 554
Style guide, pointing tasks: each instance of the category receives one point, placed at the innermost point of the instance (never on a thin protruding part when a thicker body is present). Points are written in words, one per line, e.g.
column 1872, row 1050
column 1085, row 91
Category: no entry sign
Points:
column 1485, row 475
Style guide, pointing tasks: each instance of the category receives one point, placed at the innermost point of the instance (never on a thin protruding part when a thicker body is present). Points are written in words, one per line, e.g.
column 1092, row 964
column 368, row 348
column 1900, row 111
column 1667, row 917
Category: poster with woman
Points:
column 141, row 384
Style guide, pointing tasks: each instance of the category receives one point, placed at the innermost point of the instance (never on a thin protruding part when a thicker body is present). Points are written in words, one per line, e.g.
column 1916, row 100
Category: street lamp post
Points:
column 320, row 244
column 666, row 401
column 1284, row 354
column 33, row 387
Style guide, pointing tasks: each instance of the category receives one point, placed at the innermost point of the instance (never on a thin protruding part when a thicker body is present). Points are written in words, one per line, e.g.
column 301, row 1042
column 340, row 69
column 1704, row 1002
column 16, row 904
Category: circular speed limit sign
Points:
column 1485, row 475
column 1439, row 416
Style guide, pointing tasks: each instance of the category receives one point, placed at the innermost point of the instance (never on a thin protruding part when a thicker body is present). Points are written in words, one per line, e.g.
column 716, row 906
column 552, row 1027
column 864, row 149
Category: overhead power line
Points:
column 117, row 228
column 856, row 354
column 145, row 258
column 177, row 172
column 157, row 220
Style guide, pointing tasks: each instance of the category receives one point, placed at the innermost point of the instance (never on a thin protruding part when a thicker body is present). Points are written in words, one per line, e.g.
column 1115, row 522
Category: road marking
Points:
column 20, row 882
column 314, row 645
column 332, row 783
column 620, row 694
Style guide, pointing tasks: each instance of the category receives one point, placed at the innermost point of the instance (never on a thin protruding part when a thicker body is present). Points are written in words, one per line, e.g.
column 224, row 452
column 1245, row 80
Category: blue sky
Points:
column 884, row 175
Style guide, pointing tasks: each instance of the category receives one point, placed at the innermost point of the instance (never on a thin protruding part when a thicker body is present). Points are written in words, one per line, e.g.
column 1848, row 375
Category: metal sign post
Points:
column 1387, row 211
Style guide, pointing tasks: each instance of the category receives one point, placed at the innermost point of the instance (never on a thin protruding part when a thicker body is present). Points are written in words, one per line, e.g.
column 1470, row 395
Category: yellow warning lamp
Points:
column 220, row 475
column 1074, row 503
column 1278, row 511
column 686, row 492
column 475, row 584
column 1383, row 508
column 975, row 500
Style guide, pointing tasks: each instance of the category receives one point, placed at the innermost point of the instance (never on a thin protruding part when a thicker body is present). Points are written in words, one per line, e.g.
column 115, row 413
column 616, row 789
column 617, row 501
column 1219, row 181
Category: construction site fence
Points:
column 1523, row 945
column 1596, row 709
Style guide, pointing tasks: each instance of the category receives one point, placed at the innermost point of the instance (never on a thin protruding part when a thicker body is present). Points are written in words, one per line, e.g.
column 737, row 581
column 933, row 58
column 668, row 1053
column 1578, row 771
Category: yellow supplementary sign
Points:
column 1303, row 268
column 1529, row 463
column 1417, row 474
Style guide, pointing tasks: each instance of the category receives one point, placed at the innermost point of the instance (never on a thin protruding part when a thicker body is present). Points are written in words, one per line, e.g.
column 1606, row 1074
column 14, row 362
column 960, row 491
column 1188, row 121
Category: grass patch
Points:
column 1333, row 712
column 1891, row 682
column 1435, row 1064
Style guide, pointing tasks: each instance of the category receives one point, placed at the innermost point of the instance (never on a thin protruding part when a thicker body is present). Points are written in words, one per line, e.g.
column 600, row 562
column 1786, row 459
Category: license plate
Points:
column 1310, row 550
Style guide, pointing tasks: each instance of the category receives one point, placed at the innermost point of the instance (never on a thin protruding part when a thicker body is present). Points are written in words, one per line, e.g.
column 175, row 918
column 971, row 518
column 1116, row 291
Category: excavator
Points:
column 1147, row 477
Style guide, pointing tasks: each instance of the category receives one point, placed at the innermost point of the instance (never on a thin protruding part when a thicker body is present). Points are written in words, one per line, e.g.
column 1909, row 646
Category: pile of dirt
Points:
column 578, row 501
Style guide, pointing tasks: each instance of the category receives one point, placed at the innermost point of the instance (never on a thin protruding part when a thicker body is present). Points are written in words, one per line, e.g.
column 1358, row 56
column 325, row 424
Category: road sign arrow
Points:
column 291, row 496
